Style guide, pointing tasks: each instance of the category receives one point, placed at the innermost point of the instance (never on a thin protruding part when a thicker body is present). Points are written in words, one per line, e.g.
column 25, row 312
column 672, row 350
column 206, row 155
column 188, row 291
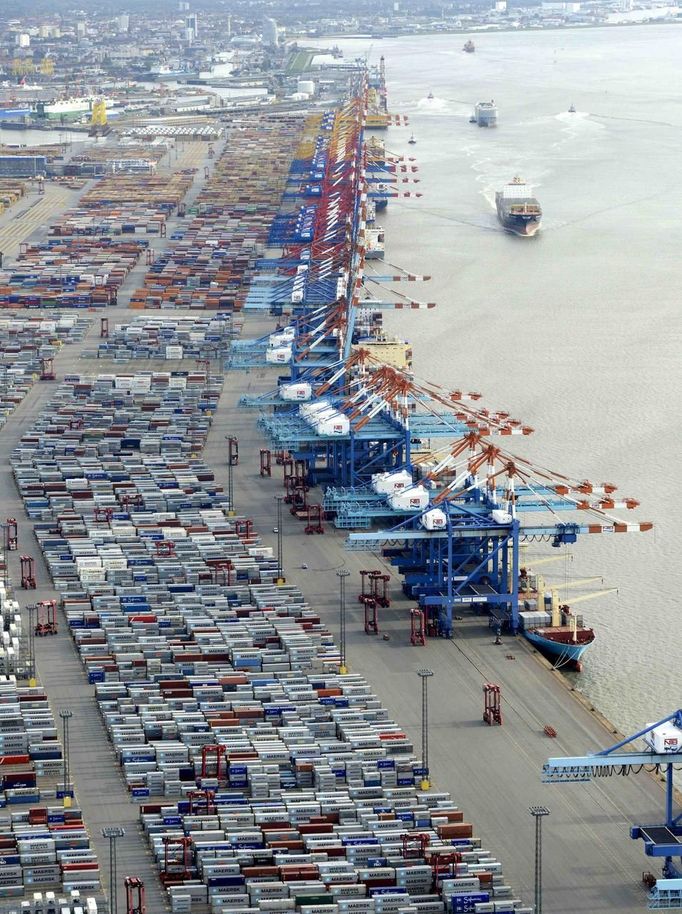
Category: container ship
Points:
column 550, row 625
column 518, row 211
column 485, row 114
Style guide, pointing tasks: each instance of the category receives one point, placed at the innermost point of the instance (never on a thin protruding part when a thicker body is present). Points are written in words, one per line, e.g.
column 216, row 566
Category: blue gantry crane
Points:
column 408, row 457
column 663, row 753
column 459, row 547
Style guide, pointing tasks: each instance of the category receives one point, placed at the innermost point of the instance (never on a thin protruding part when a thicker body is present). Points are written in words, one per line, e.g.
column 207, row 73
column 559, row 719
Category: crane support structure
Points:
column 663, row 754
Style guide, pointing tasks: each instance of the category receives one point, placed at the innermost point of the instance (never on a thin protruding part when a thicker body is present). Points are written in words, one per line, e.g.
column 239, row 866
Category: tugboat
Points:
column 412, row 140
column 469, row 46
column 571, row 110
column 518, row 211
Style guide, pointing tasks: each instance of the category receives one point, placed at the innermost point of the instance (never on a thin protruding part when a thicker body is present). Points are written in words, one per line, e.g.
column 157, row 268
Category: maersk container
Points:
column 415, row 498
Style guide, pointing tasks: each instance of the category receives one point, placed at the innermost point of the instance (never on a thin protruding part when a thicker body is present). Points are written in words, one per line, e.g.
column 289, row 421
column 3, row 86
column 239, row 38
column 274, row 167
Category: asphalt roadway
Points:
column 590, row 863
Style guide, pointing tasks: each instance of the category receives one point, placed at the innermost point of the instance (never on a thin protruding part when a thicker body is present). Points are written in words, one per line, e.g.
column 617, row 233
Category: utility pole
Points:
column 230, row 481
column 342, row 575
column 425, row 675
column 113, row 833
column 66, row 716
column 31, row 644
column 280, row 541
column 538, row 813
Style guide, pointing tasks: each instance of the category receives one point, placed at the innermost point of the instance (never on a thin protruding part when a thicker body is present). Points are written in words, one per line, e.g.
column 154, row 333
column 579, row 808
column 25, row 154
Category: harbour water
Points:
column 577, row 331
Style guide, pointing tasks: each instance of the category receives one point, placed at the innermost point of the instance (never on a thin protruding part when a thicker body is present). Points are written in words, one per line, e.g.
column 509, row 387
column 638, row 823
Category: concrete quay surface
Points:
column 100, row 789
column 590, row 862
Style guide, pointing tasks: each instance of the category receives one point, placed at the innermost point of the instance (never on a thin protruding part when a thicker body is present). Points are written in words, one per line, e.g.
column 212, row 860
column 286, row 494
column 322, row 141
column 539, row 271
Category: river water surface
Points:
column 577, row 331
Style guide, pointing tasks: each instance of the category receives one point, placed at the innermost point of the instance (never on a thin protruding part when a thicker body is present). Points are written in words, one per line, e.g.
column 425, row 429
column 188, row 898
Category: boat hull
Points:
column 520, row 228
column 525, row 226
column 557, row 644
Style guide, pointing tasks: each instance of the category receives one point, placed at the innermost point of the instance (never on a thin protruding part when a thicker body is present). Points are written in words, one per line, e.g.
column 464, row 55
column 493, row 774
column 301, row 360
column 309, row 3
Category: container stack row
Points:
column 44, row 843
column 176, row 131
column 24, row 343
column 116, row 158
column 11, row 191
column 12, row 654
column 126, row 205
column 152, row 337
column 216, row 250
column 54, row 903
column 100, row 438
column 266, row 780
column 79, row 272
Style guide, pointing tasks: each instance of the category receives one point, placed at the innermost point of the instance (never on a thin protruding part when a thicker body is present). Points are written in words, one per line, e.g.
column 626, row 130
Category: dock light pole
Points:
column 425, row 675
column 66, row 716
column 280, row 540
column 230, row 481
column 538, row 813
column 342, row 575
column 113, row 833
column 31, row 644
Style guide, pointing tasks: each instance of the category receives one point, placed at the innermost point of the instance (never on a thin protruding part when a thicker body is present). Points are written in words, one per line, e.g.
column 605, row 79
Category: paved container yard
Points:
column 590, row 863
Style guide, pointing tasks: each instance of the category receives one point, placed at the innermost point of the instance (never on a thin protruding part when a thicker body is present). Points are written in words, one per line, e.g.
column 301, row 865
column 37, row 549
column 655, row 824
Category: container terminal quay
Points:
column 265, row 589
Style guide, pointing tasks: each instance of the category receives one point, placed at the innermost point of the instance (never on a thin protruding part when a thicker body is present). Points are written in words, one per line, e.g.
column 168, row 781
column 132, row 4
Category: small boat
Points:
column 469, row 47
column 430, row 95
column 412, row 140
column 571, row 110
